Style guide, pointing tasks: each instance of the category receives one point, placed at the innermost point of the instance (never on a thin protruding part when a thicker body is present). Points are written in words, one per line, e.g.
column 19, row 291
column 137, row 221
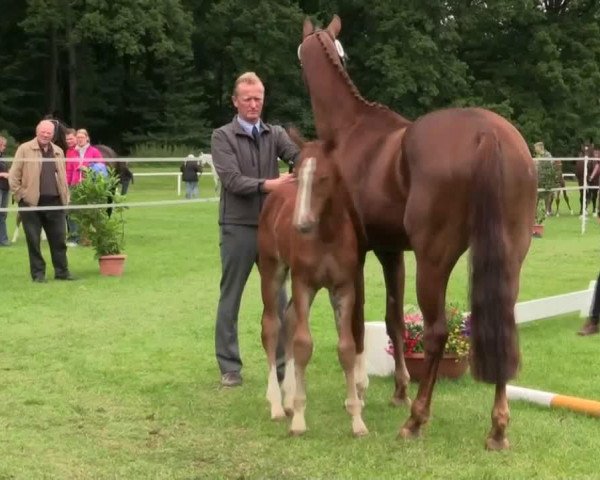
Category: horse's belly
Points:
column 387, row 234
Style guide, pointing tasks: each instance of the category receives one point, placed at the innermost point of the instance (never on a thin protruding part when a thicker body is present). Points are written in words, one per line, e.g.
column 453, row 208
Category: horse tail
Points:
column 494, row 343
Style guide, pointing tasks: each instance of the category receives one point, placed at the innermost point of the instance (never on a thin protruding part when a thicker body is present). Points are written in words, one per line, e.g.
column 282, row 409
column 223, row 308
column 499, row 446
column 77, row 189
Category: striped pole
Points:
column 554, row 400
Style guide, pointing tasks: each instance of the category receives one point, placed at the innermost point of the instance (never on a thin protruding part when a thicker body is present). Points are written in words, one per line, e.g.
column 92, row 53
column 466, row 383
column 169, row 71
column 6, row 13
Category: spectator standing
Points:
column 4, row 194
column 547, row 176
column 38, row 177
column 73, row 177
column 590, row 327
column 244, row 153
column 190, row 171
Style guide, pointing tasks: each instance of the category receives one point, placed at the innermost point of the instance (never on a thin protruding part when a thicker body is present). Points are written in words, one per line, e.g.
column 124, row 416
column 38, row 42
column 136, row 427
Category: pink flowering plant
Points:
column 459, row 329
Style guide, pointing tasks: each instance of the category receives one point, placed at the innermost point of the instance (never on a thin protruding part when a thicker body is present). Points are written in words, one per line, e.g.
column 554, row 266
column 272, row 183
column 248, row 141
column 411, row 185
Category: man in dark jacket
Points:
column 190, row 169
column 4, row 194
column 244, row 153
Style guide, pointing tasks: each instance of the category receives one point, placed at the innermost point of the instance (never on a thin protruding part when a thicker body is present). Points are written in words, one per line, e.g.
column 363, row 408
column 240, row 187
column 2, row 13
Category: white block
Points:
column 378, row 361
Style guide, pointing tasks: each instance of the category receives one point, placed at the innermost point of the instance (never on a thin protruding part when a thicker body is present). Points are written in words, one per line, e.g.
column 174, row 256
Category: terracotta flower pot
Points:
column 450, row 366
column 537, row 230
column 112, row 265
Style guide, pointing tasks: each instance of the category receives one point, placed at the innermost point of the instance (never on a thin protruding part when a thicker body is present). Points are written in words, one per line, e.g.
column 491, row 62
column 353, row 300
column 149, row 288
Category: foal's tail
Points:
column 494, row 343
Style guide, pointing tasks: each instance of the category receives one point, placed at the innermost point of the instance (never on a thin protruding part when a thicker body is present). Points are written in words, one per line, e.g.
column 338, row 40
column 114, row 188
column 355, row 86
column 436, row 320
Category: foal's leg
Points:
column 432, row 279
column 302, row 346
column 342, row 302
column 288, row 386
column 272, row 275
column 393, row 271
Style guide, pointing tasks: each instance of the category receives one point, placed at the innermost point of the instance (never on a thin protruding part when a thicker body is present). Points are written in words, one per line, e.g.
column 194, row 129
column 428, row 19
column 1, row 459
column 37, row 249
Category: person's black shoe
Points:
column 68, row 277
column 39, row 279
column 231, row 379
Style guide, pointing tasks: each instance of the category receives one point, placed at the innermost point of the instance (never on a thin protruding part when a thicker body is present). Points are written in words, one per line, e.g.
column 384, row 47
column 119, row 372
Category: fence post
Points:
column 179, row 184
column 584, row 207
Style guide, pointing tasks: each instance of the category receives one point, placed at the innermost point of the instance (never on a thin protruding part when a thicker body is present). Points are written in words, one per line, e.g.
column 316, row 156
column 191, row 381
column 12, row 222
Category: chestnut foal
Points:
column 308, row 230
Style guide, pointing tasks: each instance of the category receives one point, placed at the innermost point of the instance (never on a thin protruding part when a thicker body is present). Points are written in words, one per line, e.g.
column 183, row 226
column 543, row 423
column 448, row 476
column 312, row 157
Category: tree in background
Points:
column 162, row 70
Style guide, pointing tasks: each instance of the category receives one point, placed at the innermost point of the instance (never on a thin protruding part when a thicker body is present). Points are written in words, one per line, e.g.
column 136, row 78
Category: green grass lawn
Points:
column 115, row 378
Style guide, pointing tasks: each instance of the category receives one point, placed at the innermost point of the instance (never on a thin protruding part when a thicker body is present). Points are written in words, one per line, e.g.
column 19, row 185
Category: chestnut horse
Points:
column 306, row 228
column 453, row 179
column 591, row 197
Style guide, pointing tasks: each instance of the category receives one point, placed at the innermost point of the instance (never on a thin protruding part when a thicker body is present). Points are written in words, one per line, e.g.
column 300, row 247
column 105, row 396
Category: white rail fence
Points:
column 381, row 363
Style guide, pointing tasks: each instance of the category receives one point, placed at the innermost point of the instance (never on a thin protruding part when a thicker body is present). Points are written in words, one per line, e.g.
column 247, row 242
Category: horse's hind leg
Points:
column 302, row 346
column 272, row 275
column 288, row 385
column 566, row 197
column 342, row 302
column 393, row 271
column 358, row 331
column 432, row 280
column 496, row 439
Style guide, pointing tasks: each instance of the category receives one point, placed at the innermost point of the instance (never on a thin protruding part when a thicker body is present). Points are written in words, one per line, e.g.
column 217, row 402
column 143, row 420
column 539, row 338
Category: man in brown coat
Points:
column 38, row 178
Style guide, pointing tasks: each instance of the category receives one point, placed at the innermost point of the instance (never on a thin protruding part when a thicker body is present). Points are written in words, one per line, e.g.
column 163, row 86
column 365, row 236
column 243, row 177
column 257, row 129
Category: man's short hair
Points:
column 3, row 139
column 250, row 78
column 70, row 131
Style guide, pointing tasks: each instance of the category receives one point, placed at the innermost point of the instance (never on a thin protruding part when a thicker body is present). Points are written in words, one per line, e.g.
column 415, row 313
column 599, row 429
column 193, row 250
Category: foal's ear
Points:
column 307, row 28
column 335, row 26
column 295, row 136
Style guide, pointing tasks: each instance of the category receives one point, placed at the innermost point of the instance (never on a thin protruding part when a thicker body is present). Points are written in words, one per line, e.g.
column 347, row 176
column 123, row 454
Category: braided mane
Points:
column 342, row 71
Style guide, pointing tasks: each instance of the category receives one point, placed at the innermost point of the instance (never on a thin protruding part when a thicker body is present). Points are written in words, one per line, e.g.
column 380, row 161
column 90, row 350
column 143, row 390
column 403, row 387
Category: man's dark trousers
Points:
column 54, row 224
column 239, row 253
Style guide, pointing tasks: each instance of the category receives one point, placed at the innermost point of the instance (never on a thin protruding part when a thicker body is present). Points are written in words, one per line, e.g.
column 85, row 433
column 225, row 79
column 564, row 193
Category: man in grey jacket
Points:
column 244, row 153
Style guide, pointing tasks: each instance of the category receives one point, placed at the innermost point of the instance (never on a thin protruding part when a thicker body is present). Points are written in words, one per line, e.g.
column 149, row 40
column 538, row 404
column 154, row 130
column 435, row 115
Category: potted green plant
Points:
column 104, row 228
column 454, row 363
column 540, row 216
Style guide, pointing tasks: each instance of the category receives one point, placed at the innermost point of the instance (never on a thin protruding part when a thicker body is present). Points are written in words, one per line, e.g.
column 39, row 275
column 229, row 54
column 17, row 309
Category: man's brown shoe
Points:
column 588, row 328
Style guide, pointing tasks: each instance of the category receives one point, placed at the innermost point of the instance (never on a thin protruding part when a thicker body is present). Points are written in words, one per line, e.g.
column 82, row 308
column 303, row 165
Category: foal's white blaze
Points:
column 302, row 210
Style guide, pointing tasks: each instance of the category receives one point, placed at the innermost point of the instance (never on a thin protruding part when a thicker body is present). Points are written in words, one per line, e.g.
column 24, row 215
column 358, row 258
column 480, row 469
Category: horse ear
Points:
column 307, row 28
column 335, row 26
column 295, row 136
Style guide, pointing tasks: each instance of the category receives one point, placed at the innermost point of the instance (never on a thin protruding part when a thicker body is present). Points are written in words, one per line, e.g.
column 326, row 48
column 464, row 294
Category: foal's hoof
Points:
column 289, row 411
column 496, row 445
column 298, row 426
column 277, row 413
column 359, row 429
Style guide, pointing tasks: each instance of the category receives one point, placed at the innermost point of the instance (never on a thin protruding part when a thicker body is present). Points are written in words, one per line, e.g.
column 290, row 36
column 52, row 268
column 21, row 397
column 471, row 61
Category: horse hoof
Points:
column 408, row 434
column 298, row 426
column 496, row 445
column 359, row 429
column 399, row 402
column 277, row 414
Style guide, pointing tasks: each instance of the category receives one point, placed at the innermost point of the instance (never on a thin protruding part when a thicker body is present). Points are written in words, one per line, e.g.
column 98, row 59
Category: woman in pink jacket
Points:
column 81, row 155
